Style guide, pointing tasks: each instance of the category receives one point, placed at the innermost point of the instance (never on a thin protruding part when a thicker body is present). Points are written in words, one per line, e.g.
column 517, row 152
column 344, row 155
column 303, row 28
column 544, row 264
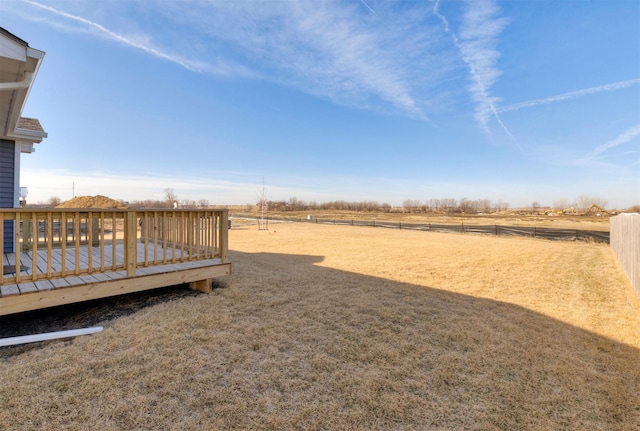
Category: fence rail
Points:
column 54, row 243
column 625, row 243
column 495, row 229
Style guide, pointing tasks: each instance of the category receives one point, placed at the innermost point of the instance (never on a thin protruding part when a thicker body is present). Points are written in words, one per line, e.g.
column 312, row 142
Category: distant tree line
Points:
column 453, row 206
column 157, row 203
column 170, row 201
column 411, row 206
column 581, row 204
column 295, row 204
column 442, row 205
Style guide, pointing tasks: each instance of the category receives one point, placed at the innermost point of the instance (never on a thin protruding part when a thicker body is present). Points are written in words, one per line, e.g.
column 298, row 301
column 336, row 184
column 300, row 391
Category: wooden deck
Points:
column 151, row 250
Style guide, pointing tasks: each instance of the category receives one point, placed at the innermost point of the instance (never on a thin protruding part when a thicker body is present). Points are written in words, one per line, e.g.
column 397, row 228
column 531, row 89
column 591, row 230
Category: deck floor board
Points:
column 103, row 268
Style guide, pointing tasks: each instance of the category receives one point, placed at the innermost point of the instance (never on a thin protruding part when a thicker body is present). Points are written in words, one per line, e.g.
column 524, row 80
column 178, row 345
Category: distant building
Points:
column 19, row 66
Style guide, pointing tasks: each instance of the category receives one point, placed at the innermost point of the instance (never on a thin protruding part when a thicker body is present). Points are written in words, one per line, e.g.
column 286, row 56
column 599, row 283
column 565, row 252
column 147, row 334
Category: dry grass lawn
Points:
column 342, row 328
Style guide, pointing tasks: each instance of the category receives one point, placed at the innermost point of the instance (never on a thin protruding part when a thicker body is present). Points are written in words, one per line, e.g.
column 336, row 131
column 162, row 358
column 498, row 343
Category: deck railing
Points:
column 57, row 243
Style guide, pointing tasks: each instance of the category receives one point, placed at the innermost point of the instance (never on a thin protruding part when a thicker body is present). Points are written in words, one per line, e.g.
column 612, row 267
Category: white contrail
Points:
column 570, row 95
column 368, row 7
column 482, row 73
column 625, row 137
column 115, row 36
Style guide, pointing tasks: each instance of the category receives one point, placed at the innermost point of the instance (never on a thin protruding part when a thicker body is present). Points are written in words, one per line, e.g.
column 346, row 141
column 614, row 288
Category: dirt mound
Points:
column 92, row 202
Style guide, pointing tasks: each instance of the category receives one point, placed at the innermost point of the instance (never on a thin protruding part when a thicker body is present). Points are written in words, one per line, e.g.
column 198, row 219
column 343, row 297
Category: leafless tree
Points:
column 411, row 205
column 535, row 206
column 562, row 203
column 584, row 202
column 296, row 204
column 262, row 204
column 54, row 201
column 449, row 204
column 170, row 197
column 435, row 205
column 601, row 202
column 501, row 206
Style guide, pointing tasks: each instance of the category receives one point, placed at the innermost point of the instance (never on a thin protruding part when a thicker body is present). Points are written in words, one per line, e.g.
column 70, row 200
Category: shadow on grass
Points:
column 88, row 313
column 475, row 356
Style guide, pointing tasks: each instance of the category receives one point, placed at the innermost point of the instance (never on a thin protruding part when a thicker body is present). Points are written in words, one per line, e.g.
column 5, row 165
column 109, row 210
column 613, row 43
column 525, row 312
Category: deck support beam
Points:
column 203, row 286
column 68, row 295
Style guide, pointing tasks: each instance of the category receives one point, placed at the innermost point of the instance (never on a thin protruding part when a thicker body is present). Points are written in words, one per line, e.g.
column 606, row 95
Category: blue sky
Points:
column 518, row 101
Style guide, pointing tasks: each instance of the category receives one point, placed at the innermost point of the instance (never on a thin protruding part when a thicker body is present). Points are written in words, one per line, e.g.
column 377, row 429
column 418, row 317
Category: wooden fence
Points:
column 625, row 243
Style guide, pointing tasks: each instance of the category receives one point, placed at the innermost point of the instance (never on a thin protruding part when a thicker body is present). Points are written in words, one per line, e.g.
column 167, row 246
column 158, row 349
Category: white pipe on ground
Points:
column 12, row 341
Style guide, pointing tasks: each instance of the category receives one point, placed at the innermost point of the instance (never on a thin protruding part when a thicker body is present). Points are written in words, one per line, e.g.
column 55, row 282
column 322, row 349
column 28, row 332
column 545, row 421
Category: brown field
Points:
column 503, row 218
column 341, row 328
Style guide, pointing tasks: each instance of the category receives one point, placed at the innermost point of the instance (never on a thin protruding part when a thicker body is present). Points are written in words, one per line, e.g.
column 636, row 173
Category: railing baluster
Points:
column 145, row 227
column 164, row 237
column 90, row 242
column 64, row 235
column 155, row 237
column 181, row 240
column 76, row 232
column 49, row 242
column 17, row 247
column 101, row 240
column 35, row 233
column 189, row 239
column 114, row 235
column 216, row 235
column 207, row 233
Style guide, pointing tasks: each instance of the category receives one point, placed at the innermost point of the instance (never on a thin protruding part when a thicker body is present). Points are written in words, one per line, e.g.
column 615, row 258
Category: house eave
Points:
column 34, row 135
column 19, row 67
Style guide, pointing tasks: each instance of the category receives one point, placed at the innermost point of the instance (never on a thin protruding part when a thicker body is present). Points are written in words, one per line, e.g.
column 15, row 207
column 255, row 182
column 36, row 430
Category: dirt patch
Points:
column 97, row 201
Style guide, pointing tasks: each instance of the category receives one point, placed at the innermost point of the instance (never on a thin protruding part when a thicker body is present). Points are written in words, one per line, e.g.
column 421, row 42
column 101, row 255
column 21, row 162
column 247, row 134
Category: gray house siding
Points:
column 7, row 175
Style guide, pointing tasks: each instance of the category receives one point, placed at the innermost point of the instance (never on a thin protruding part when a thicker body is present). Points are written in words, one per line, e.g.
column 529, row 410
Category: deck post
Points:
column 203, row 286
column 224, row 236
column 130, row 240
